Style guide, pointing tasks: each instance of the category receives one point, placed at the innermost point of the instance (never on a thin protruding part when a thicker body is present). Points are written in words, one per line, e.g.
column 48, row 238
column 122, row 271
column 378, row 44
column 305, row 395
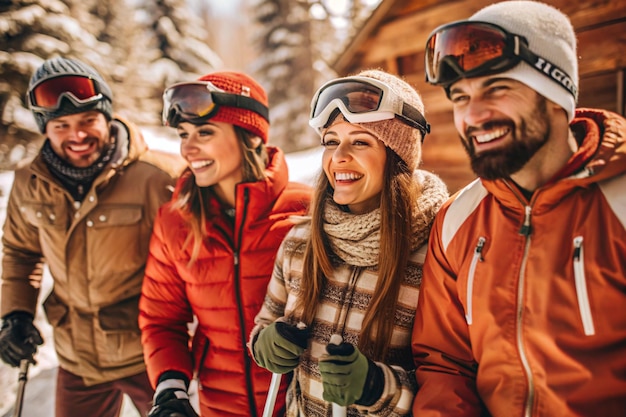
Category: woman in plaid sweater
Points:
column 352, row 269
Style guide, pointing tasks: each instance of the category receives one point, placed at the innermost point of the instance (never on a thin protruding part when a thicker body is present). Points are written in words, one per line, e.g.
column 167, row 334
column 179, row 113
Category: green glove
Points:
column 278, row 347
column 348, row 377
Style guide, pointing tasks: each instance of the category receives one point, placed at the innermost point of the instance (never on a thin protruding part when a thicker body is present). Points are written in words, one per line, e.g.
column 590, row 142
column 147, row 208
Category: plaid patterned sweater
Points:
column 343, row 304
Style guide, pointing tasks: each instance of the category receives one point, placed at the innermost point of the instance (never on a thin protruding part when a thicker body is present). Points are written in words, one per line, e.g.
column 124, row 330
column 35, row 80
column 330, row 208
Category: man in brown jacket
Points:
column 84, row 206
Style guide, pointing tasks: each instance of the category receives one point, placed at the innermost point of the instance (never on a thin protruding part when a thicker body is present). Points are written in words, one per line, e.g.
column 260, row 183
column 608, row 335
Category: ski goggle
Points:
column 80, row 90
column 360, row 100
column 198, row 101
column 468, row 49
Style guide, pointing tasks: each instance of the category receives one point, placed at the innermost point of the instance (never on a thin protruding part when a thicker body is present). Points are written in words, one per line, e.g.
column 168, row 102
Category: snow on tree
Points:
column 176, row 41
column 284, row 68
column 298, row 39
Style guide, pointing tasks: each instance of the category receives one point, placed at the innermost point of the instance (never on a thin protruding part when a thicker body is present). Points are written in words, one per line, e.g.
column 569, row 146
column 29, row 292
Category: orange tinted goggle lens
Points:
column 470, row 45
column 47, row 93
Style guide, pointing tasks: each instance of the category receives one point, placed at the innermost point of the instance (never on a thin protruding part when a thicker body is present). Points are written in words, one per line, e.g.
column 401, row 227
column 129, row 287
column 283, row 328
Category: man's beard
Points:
column 532, row 134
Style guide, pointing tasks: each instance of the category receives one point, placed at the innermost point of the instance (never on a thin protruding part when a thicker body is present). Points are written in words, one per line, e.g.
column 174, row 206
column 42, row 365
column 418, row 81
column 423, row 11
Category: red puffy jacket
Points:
column 224, row 289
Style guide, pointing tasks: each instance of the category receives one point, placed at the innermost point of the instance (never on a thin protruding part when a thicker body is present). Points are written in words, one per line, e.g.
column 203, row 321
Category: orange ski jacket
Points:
column 521, row 311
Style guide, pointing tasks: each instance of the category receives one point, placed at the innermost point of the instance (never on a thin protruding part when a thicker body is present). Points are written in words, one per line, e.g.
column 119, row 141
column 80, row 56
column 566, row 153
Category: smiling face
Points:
column 213, row 153
column 79, row 138
column 354, row 163
column 503, row 124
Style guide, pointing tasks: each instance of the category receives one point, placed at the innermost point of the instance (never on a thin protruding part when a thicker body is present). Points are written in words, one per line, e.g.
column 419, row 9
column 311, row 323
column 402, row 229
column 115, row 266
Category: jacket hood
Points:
column 137, row 145
column 609, row 131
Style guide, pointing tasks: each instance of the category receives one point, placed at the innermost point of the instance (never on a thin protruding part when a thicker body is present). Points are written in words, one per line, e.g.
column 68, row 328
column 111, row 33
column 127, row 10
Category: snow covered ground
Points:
column 40, row 387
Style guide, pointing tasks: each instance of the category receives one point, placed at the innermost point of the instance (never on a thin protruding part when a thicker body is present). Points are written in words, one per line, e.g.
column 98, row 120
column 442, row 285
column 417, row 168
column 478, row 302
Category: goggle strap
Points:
column 548, row 68
column 242, row 102
column 415, row 118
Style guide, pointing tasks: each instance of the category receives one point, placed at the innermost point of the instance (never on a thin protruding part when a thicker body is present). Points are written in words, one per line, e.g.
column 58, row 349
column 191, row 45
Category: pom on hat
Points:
column 239, row 83
column 56, row 67
column 550, row 35
column 403, row 139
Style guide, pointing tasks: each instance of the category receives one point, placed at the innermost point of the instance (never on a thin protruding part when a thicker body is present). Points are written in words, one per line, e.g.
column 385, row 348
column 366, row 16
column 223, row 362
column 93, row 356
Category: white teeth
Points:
column 490, row 136
column 79, row 148
column 347, row 176
column 199, row 164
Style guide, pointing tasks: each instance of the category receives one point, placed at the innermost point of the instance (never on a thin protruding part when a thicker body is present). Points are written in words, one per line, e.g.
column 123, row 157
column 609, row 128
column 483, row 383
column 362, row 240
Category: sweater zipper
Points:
column 242, row 319
column 581, row 287
column 477, row 257
column 525, row 231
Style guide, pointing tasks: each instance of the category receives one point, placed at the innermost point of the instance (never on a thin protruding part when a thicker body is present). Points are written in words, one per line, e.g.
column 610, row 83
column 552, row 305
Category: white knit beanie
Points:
column 550, row 35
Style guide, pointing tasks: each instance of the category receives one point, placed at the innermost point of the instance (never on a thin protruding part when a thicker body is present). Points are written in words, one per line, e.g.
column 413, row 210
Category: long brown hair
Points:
column 397, row 204
column 192, row 199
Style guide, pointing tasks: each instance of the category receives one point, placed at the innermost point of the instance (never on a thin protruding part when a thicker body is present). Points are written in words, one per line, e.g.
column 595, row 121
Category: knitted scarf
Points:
column 355, row 238
column 78, row 180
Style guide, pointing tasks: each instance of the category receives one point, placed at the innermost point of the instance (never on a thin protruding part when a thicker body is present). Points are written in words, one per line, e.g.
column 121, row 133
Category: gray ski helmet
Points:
column 56, row 67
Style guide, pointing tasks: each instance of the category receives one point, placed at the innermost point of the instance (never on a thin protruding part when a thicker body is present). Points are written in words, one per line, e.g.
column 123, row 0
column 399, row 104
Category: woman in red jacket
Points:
column 213, row 247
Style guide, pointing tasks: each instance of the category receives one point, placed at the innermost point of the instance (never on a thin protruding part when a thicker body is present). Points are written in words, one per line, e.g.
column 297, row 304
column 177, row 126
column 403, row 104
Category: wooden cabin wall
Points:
column 397, row 45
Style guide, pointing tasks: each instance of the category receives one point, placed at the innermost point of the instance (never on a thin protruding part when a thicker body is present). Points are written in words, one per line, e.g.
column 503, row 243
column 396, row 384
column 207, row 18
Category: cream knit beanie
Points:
column 550, row 35
column 403, row 139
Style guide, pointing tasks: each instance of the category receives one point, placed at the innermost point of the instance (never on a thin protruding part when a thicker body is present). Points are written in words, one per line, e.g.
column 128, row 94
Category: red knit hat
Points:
column 239, row 83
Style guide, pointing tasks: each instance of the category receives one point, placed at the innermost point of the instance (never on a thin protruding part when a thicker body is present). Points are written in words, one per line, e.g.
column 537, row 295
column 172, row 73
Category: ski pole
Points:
column 272, row 393
column 338, row 410
column 22, row 378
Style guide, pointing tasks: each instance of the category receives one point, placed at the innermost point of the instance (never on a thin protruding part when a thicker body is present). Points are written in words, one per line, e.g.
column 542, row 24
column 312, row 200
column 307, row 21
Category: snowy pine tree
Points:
column 298, row 42
column 172, row 45
column 284, row 67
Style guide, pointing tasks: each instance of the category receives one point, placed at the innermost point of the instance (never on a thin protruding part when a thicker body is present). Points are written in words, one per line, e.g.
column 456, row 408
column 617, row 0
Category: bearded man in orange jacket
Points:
column 521, row 309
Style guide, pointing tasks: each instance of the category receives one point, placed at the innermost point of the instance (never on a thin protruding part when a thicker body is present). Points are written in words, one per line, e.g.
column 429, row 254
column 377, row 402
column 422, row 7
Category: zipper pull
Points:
column 478, row 252
column 578, row 244
column 526, row 228
column 582, row 293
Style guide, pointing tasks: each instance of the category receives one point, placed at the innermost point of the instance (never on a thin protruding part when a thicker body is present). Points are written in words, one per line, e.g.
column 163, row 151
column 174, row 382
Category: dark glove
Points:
column 171, row 400
column 19, row 338
column 348, row 377
column 278, row 347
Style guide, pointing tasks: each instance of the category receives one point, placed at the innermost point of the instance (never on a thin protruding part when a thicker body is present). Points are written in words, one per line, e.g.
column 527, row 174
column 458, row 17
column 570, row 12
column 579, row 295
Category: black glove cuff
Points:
column 174, row 375
column 298, row 337
column 374, row 385
column 18, row 315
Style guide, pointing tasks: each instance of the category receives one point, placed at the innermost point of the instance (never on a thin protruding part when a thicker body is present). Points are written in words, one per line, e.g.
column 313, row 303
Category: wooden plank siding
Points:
column 395, row 38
